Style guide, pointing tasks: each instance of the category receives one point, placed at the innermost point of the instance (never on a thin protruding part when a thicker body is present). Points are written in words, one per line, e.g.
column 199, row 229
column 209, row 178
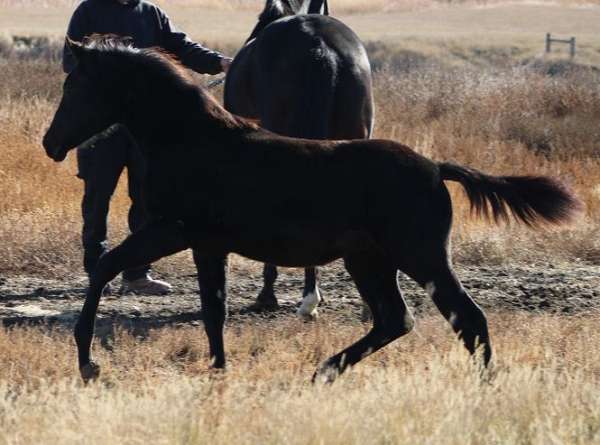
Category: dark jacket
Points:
column 146, row 24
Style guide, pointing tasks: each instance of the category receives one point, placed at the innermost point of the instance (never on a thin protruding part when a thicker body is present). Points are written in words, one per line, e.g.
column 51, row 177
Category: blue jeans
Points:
column 101, row 162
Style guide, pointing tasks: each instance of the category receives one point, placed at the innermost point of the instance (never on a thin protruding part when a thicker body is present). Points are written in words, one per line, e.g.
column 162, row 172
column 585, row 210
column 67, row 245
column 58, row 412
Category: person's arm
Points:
column 191, row 54
column 78, row 29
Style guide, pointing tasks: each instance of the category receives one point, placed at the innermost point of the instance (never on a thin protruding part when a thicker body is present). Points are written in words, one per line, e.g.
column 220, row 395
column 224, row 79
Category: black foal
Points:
column 377, row 204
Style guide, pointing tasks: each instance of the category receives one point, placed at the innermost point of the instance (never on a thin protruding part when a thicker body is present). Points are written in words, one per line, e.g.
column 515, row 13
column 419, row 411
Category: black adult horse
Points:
column 377, row 204
column 305, row 76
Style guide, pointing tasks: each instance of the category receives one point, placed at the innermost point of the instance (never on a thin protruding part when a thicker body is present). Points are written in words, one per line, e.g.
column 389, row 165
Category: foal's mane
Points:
column 158, row 62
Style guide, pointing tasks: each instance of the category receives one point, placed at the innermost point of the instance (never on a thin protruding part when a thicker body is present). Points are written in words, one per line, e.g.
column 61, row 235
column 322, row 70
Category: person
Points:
column 101, row 160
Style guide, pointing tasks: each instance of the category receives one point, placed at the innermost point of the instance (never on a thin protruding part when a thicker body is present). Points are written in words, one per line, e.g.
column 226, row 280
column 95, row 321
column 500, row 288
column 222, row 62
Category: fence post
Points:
column 572, row 43
column 548, row 40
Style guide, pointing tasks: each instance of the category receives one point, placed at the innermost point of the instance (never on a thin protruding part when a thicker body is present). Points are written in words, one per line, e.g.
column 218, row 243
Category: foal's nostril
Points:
column 50, row 146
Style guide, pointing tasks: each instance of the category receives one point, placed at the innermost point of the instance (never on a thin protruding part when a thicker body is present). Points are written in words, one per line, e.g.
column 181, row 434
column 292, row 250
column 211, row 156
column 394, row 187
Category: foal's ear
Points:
column 76, row 49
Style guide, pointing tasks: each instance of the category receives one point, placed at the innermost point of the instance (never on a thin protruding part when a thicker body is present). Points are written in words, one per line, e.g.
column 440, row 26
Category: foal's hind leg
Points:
column 464, row 315
column 151, row 243
column 375, row 278
column 311, row 297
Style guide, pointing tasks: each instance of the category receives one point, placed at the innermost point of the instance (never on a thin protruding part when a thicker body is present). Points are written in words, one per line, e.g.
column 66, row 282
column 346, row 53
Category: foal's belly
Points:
column 289, row 256
column 301, row 250
column 280, row 238
column 290, row 251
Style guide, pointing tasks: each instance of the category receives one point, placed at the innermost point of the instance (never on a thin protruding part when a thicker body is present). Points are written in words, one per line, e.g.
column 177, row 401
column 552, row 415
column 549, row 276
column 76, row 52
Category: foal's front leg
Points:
column 156, row 240
column 212, row 271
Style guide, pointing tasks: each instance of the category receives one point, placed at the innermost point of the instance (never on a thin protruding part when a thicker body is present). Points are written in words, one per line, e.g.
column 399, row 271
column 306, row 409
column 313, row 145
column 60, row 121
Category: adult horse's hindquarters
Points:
column 305, row 76
column 377, row 204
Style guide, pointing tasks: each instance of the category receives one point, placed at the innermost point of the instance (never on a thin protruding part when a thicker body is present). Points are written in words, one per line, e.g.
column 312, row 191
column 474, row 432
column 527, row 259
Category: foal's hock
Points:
column 377, row 204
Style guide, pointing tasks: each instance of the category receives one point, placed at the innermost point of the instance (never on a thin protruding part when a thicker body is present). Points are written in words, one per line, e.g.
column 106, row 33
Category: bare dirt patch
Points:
column 540, row 288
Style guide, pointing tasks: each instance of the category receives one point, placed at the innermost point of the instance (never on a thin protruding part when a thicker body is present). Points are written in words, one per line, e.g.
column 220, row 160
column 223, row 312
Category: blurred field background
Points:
column 466, row 81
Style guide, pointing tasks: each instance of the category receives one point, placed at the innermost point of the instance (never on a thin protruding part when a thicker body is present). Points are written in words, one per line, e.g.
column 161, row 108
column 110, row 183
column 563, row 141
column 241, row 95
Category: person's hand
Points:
column 226, row 63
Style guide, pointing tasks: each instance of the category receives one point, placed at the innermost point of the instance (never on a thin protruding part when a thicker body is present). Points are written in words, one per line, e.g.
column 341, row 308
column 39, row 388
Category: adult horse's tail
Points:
column 314, row 99
column 530, row 199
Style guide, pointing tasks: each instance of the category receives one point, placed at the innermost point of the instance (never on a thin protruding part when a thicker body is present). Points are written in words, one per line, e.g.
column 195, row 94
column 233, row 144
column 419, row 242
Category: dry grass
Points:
column 421, row 389
column 509, row 122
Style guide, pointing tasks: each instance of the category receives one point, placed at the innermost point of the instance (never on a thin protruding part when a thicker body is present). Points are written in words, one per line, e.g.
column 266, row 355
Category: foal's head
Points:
column 88, row 104
column 276, row 9
column 96, row 94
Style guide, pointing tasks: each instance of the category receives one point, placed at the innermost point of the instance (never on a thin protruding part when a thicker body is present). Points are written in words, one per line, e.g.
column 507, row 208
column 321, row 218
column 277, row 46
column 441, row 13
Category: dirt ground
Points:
column 565, row 289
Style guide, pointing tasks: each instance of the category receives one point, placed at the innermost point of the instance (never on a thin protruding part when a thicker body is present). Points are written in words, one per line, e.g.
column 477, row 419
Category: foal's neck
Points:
column 174, row 115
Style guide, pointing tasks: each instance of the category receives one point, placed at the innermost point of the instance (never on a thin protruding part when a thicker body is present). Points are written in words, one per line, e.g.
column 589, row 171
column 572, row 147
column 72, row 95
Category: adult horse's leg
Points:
column 375, row 278
column 266, row 298
column 213, row 296
column 156, row 240
column 311, row 296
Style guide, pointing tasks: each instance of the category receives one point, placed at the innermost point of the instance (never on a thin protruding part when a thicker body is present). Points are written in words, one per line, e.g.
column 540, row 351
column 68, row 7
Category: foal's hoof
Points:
column 325, row 374
column 89, row 372
column 216, row 372
column 365, row 314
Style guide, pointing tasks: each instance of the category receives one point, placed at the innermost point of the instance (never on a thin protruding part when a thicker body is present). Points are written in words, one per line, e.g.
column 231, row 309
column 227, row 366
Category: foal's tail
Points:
column 530, row 199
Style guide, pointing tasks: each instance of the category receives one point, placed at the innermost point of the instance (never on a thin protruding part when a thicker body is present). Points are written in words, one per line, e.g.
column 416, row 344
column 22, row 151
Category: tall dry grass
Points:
column 515, row 121
column 420, row 389
column 503, row 120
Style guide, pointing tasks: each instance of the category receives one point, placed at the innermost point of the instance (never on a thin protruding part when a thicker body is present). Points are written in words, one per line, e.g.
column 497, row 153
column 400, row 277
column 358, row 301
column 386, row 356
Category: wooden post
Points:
column 570, row 42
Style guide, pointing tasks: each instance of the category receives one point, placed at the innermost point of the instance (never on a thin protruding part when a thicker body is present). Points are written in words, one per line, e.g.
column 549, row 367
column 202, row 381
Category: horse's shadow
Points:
column 139, row 327
column 44, row 292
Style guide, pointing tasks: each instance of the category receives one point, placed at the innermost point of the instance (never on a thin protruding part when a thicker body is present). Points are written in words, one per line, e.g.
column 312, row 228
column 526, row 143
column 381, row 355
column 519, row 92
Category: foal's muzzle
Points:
column 54, row 150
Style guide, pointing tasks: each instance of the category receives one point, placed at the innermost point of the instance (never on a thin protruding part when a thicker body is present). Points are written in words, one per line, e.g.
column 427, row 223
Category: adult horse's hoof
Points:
column 265, row 302
column 308, row 309
column 262, row 307
column 308, row 315
column 89, row 372
column 312, row 316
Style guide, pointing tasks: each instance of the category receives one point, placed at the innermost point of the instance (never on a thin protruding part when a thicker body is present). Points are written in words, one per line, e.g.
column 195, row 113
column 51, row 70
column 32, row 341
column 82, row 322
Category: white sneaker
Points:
column 146, row 286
